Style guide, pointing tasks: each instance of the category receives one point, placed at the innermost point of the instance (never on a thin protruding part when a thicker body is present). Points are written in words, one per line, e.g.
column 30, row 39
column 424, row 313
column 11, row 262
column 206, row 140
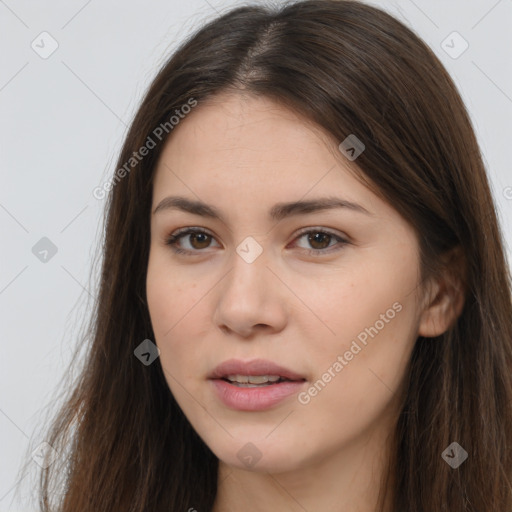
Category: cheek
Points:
column 177, row 303
column 170, row 303
column 172, row 297
column 351, row 302
column 369, row 318
column 356, row 384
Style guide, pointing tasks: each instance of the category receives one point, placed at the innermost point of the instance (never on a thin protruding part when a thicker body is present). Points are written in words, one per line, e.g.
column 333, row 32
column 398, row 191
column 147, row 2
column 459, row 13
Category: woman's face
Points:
column 326, row 298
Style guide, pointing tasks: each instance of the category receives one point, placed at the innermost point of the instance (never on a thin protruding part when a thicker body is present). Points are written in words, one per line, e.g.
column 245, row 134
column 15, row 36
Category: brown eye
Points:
column 199, row 240
column 319, row 240
column 194, row 239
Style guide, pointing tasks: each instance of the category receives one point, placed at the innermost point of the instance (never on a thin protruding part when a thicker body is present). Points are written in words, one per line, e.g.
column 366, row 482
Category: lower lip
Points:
column 257, row 398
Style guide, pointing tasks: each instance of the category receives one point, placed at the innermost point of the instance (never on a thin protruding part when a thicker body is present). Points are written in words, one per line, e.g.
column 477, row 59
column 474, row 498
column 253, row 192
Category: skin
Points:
column 243, row 154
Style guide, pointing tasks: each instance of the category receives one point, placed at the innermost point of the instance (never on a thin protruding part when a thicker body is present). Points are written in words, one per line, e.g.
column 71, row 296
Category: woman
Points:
column 304, row 302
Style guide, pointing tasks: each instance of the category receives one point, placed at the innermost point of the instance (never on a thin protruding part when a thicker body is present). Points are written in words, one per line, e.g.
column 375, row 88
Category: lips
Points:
column 255, row 385
column 255, row 367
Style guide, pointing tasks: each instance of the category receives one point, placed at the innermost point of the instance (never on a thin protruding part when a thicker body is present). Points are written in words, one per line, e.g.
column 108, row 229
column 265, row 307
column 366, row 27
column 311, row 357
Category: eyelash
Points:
column 174, row 238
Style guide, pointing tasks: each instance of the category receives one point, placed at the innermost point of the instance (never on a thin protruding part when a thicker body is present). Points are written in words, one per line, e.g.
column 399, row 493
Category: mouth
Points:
column 254, row 385
column 255, row 381
column 257, row 372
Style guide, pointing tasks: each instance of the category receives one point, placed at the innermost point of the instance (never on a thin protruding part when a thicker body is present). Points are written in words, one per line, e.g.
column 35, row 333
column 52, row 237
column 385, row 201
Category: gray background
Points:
column 62, row 120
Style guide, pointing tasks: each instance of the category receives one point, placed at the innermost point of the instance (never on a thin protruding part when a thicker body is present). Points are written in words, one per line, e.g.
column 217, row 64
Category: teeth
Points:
column 253, row 379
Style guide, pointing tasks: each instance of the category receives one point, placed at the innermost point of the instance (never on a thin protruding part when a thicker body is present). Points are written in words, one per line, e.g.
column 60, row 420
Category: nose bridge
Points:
column 249, row 295
column 249, row 275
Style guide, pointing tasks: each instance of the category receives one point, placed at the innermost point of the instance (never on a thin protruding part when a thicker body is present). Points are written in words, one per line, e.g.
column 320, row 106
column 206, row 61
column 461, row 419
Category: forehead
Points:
column 251, row 152
column 245, row 131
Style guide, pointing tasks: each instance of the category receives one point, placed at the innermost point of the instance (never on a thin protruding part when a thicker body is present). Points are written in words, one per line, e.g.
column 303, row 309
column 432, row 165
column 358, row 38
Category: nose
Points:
column 251, row 299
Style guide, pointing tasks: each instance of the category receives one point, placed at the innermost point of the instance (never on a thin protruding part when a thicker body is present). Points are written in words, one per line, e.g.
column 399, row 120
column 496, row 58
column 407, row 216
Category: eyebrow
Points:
column 278, row 212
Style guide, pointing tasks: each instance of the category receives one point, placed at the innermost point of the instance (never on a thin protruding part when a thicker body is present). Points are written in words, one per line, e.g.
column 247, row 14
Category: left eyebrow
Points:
column 278, row 212
column 282, row 210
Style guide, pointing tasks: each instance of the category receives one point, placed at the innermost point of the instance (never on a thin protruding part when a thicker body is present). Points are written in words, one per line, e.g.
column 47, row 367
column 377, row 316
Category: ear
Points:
column 445, row 296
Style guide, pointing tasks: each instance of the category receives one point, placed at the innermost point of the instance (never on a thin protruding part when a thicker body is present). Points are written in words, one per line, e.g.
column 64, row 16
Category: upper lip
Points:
column 253, row 367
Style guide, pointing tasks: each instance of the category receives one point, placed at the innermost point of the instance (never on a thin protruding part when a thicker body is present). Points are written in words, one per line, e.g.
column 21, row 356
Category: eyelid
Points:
column 189, row 229
column 342, row 240
column 321, row 229
column 174, row 237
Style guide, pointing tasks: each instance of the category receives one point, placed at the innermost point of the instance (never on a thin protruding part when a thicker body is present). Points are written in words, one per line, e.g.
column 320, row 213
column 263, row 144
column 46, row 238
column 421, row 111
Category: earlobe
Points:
column 446, row 298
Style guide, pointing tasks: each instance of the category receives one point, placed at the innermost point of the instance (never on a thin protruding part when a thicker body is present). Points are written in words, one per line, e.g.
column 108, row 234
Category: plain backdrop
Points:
column 62, row 121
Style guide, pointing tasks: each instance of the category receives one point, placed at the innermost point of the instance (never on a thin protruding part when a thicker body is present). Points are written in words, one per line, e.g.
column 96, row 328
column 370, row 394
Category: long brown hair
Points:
column 352, row 69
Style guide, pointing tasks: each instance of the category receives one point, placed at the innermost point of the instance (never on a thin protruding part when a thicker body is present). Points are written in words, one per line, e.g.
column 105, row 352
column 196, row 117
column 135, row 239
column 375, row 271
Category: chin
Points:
column 260, row 455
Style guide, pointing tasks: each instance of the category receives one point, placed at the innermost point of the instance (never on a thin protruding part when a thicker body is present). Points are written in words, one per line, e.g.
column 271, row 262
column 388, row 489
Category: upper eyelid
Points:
column 301, row 231
column 185, row 231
